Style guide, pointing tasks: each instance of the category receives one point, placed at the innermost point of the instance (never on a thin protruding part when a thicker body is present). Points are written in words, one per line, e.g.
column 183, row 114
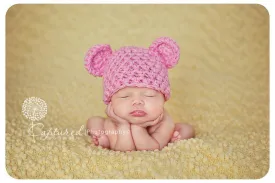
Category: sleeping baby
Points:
column 136, row 86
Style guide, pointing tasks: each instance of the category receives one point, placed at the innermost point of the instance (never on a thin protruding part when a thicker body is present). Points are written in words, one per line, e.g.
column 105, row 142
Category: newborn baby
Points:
column 136, row 86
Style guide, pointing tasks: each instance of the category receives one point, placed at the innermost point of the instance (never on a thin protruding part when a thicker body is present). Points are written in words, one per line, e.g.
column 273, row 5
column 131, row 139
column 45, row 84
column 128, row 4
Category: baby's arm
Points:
column 164, row 132
column 157, row 140
column 156, row 136
column 124, row 142
column 142, row 139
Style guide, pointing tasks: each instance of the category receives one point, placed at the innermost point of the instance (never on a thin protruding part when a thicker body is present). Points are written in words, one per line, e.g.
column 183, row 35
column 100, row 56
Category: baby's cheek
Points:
column 117, row 110
column 120, row 110
column 156, row 110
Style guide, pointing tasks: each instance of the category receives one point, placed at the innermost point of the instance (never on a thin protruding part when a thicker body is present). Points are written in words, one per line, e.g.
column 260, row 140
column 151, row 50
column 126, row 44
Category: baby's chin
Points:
column 138, row 120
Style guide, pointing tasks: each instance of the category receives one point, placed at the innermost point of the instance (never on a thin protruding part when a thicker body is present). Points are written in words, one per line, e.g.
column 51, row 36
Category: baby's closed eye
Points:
column 149, row 95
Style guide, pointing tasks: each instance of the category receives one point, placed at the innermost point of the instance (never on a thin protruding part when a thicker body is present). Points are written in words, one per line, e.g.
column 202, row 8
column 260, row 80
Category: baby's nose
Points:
column 138, row 101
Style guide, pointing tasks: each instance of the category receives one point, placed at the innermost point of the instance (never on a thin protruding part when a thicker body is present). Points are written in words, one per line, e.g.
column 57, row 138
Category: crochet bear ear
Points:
column 96, row 59
column 167, row 49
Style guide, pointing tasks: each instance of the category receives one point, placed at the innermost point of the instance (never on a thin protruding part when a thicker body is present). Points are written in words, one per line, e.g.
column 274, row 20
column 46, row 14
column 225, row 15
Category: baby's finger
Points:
column 110, row 110
column 112, row 114
column 156, row 120
column 107, row 110
column 161, row 116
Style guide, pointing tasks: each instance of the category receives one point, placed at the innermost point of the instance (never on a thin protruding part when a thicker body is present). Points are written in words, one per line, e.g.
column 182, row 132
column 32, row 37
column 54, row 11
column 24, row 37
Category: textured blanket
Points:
column 220, row 86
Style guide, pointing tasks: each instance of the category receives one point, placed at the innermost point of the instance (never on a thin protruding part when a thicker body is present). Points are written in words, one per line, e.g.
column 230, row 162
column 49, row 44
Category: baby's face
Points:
column 138, row 105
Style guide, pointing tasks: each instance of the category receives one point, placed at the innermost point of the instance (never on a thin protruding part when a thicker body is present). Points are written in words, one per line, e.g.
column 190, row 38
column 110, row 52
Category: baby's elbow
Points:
column 156, row 145
column 149, row 147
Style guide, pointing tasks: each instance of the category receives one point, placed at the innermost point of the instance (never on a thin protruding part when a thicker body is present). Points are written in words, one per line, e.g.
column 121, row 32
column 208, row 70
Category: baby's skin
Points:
column 136, row 120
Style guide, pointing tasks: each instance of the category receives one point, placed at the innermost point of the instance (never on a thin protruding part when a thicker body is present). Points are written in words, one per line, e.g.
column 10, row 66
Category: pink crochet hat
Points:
column 133, row 66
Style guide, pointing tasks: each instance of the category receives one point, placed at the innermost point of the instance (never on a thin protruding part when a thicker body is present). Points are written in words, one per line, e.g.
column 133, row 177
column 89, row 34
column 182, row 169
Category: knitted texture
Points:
column 133, row 66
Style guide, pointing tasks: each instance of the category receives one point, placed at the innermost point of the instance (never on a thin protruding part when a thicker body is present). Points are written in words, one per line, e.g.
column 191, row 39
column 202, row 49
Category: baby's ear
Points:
column 96, row 59
column 167, row 49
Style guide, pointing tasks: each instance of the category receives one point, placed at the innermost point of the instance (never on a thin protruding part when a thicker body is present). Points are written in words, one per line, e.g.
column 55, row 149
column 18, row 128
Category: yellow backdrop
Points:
column 220, row 86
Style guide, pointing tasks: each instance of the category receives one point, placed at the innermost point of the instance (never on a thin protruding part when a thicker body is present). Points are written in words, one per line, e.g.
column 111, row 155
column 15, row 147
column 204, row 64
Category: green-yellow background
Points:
column 220, row 85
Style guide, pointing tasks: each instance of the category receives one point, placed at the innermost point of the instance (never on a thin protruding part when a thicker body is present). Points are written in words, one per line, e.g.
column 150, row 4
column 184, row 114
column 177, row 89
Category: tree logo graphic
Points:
column 34, row 108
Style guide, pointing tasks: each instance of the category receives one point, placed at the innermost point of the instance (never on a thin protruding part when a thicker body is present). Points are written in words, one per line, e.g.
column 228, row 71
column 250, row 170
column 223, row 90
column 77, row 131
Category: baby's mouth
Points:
column 138, row 113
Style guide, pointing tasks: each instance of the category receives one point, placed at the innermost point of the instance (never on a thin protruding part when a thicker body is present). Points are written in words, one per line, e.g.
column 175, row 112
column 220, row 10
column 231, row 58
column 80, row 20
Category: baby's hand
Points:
column 110, row 112
column 152, row 123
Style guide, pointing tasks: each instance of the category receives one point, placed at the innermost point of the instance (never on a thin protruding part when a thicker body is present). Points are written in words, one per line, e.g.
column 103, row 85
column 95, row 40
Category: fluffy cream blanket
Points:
column 220, row 86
